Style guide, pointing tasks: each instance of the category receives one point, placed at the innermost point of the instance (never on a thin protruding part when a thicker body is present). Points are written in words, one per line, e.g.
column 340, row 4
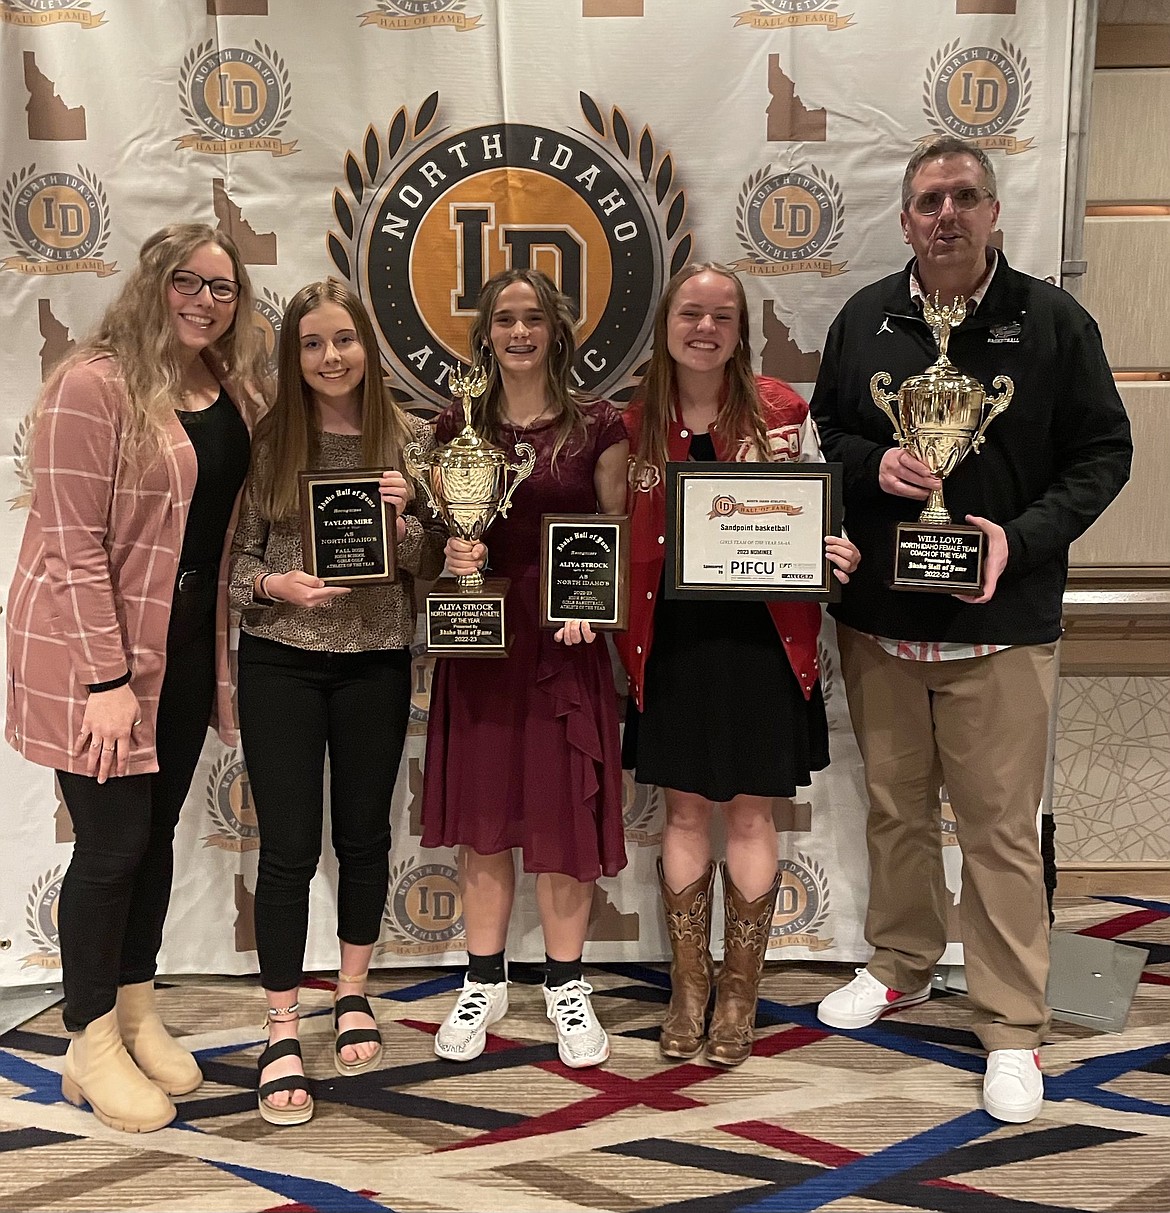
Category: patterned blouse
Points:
column 368, row 617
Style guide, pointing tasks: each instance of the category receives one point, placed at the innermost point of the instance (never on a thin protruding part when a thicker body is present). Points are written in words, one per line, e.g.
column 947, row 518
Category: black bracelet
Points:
column 112, row 685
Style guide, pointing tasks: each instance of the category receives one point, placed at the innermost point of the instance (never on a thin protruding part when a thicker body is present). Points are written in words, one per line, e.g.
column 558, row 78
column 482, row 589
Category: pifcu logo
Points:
column 58, row 222
column 980, row 94
column 235, row 100
column 790, row 223
column 425, row 216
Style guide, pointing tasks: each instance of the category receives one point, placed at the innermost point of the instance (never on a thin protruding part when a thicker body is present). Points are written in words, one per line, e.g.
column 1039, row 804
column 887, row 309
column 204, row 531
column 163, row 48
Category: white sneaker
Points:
column 581, row 1040
column 1013, row 1087
column 864, row 1001
column 463, row 1033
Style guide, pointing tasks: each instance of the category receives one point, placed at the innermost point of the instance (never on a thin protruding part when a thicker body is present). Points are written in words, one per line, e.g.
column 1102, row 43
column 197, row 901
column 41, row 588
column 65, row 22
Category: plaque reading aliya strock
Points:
column 348, row 533
column 584, row 570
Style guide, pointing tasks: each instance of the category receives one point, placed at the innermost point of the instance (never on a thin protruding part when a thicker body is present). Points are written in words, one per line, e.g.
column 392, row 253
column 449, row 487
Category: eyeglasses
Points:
column 930, row 202
column 223, row 290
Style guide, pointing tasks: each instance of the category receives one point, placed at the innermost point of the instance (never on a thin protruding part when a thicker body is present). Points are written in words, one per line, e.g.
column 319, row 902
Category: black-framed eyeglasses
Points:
column 930, row 202
column 223, row 290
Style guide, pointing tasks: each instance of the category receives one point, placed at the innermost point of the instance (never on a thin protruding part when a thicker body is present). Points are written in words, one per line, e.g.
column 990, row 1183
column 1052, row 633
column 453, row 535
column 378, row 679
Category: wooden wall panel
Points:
column 1127, row 287
column 1130, row 128
column 1135, row 531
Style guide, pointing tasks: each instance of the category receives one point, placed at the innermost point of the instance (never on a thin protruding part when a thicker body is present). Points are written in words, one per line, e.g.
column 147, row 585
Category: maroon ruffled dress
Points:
column 523, row 751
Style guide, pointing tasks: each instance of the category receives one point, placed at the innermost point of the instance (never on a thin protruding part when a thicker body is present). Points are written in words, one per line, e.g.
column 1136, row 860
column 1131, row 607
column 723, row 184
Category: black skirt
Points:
column 724, row 714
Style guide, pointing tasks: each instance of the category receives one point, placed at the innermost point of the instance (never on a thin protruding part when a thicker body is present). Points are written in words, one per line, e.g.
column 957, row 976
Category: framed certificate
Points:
column 585, row 570
column 751, row 530
column 348, row 533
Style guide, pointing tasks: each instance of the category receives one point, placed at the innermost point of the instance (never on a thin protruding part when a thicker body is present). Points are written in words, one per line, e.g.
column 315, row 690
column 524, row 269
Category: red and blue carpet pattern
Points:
column 886, row 1119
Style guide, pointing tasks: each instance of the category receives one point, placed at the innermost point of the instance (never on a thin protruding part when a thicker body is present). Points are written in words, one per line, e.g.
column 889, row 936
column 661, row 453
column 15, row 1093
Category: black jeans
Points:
column 295, row 703
column 116, row 891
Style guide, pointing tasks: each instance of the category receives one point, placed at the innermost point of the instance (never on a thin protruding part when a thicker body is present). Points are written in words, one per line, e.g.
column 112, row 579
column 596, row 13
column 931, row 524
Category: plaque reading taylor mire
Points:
column 585, row 570
column 348, row 533
column 751, row 530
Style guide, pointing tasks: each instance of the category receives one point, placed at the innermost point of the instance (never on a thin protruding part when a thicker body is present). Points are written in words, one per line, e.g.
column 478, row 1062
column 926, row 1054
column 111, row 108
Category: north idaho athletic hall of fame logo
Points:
column 424, row 911
column 235, row 99
column 980, row 94
column 31, row 13
column 425, row 216
column 40, row 921
column 421, row 14
column 59, row 223
column 230, row 807
column 267, row 313
column 790, row 223
column 802, row 906
column 786, row 14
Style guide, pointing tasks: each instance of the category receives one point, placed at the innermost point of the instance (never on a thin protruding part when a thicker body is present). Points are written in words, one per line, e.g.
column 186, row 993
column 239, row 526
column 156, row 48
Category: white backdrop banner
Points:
column 414, row 148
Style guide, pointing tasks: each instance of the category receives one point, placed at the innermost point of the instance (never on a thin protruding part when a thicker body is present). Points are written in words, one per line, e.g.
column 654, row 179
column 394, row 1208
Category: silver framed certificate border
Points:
column 827, row 589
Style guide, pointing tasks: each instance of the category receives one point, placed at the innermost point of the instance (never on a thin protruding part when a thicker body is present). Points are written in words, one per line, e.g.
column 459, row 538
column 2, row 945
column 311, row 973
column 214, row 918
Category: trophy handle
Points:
column 886, row 401
column 995, row 406
column 419, row 467
column 526, row 453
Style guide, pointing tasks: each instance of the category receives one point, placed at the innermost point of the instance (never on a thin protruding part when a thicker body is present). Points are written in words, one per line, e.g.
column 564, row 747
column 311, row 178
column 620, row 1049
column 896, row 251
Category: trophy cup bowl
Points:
column 940, row 416
column 466, row 484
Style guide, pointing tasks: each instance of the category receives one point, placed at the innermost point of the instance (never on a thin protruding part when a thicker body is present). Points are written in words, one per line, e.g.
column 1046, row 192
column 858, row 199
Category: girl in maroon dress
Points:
column 524, row 752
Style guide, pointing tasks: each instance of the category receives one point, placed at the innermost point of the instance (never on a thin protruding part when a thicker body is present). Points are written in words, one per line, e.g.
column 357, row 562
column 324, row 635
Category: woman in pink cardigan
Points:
column 117, row 634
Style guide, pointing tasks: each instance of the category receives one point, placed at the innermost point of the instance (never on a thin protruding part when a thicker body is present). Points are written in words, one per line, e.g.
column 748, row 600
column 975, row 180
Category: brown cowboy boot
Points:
column 688, row 921
column 746, row 926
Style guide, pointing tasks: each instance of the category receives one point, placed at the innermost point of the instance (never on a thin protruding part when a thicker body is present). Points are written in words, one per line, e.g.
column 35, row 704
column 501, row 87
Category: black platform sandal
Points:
column 290, row 1114
column 351, row 1004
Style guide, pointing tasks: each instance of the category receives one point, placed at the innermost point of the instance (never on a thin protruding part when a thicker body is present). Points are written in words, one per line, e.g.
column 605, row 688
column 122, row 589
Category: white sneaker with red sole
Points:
column 864, row 1001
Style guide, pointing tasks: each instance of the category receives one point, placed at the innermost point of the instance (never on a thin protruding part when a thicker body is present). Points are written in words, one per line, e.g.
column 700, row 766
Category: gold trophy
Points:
column 938, row 417
column 466, row 485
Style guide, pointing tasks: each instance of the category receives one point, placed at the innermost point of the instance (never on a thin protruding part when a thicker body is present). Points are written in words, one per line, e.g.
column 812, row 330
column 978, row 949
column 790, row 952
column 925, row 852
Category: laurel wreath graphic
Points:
column 650, row 808
column 104, row 218
column 821, row 880
column 266, row 52
column 22, row 6
column 1012, row 52
column 20, row 458
column 824, row 179
column 31, row 921
column 192, row 57
column 364, row 172
column 644, row 153
column 8, row 202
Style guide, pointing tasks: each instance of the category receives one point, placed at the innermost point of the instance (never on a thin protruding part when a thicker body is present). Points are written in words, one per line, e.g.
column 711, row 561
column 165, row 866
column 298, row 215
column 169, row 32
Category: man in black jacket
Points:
column 958, row 688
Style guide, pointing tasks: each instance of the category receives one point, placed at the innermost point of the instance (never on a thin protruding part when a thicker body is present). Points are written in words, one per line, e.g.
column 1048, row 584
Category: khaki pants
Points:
column 981, row 726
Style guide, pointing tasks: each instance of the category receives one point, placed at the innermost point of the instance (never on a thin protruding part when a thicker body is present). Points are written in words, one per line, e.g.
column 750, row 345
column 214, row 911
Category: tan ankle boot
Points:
column 688, row 921
column 154, row 1050
column 746, row 926
column 98, row 1070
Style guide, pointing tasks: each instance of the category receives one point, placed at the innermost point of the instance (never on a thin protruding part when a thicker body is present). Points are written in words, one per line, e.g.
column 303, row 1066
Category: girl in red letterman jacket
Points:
column 725, row 702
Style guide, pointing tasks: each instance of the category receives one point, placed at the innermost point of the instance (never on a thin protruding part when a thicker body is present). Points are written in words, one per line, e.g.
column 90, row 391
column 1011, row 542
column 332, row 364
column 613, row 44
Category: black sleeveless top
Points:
column 222, row 448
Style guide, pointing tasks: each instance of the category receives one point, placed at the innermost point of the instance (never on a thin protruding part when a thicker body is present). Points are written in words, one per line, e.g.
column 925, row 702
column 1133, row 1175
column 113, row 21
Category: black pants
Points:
column 116, row 891
column 295, row 703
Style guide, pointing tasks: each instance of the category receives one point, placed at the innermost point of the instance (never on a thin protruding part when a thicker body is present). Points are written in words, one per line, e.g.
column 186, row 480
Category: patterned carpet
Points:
column 884, row 1119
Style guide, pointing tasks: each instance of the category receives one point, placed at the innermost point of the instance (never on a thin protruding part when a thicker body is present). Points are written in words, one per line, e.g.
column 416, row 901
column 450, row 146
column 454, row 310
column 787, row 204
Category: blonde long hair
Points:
column 289, row 430
column 739, row 415
column 558, row 313
column 138, row 331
